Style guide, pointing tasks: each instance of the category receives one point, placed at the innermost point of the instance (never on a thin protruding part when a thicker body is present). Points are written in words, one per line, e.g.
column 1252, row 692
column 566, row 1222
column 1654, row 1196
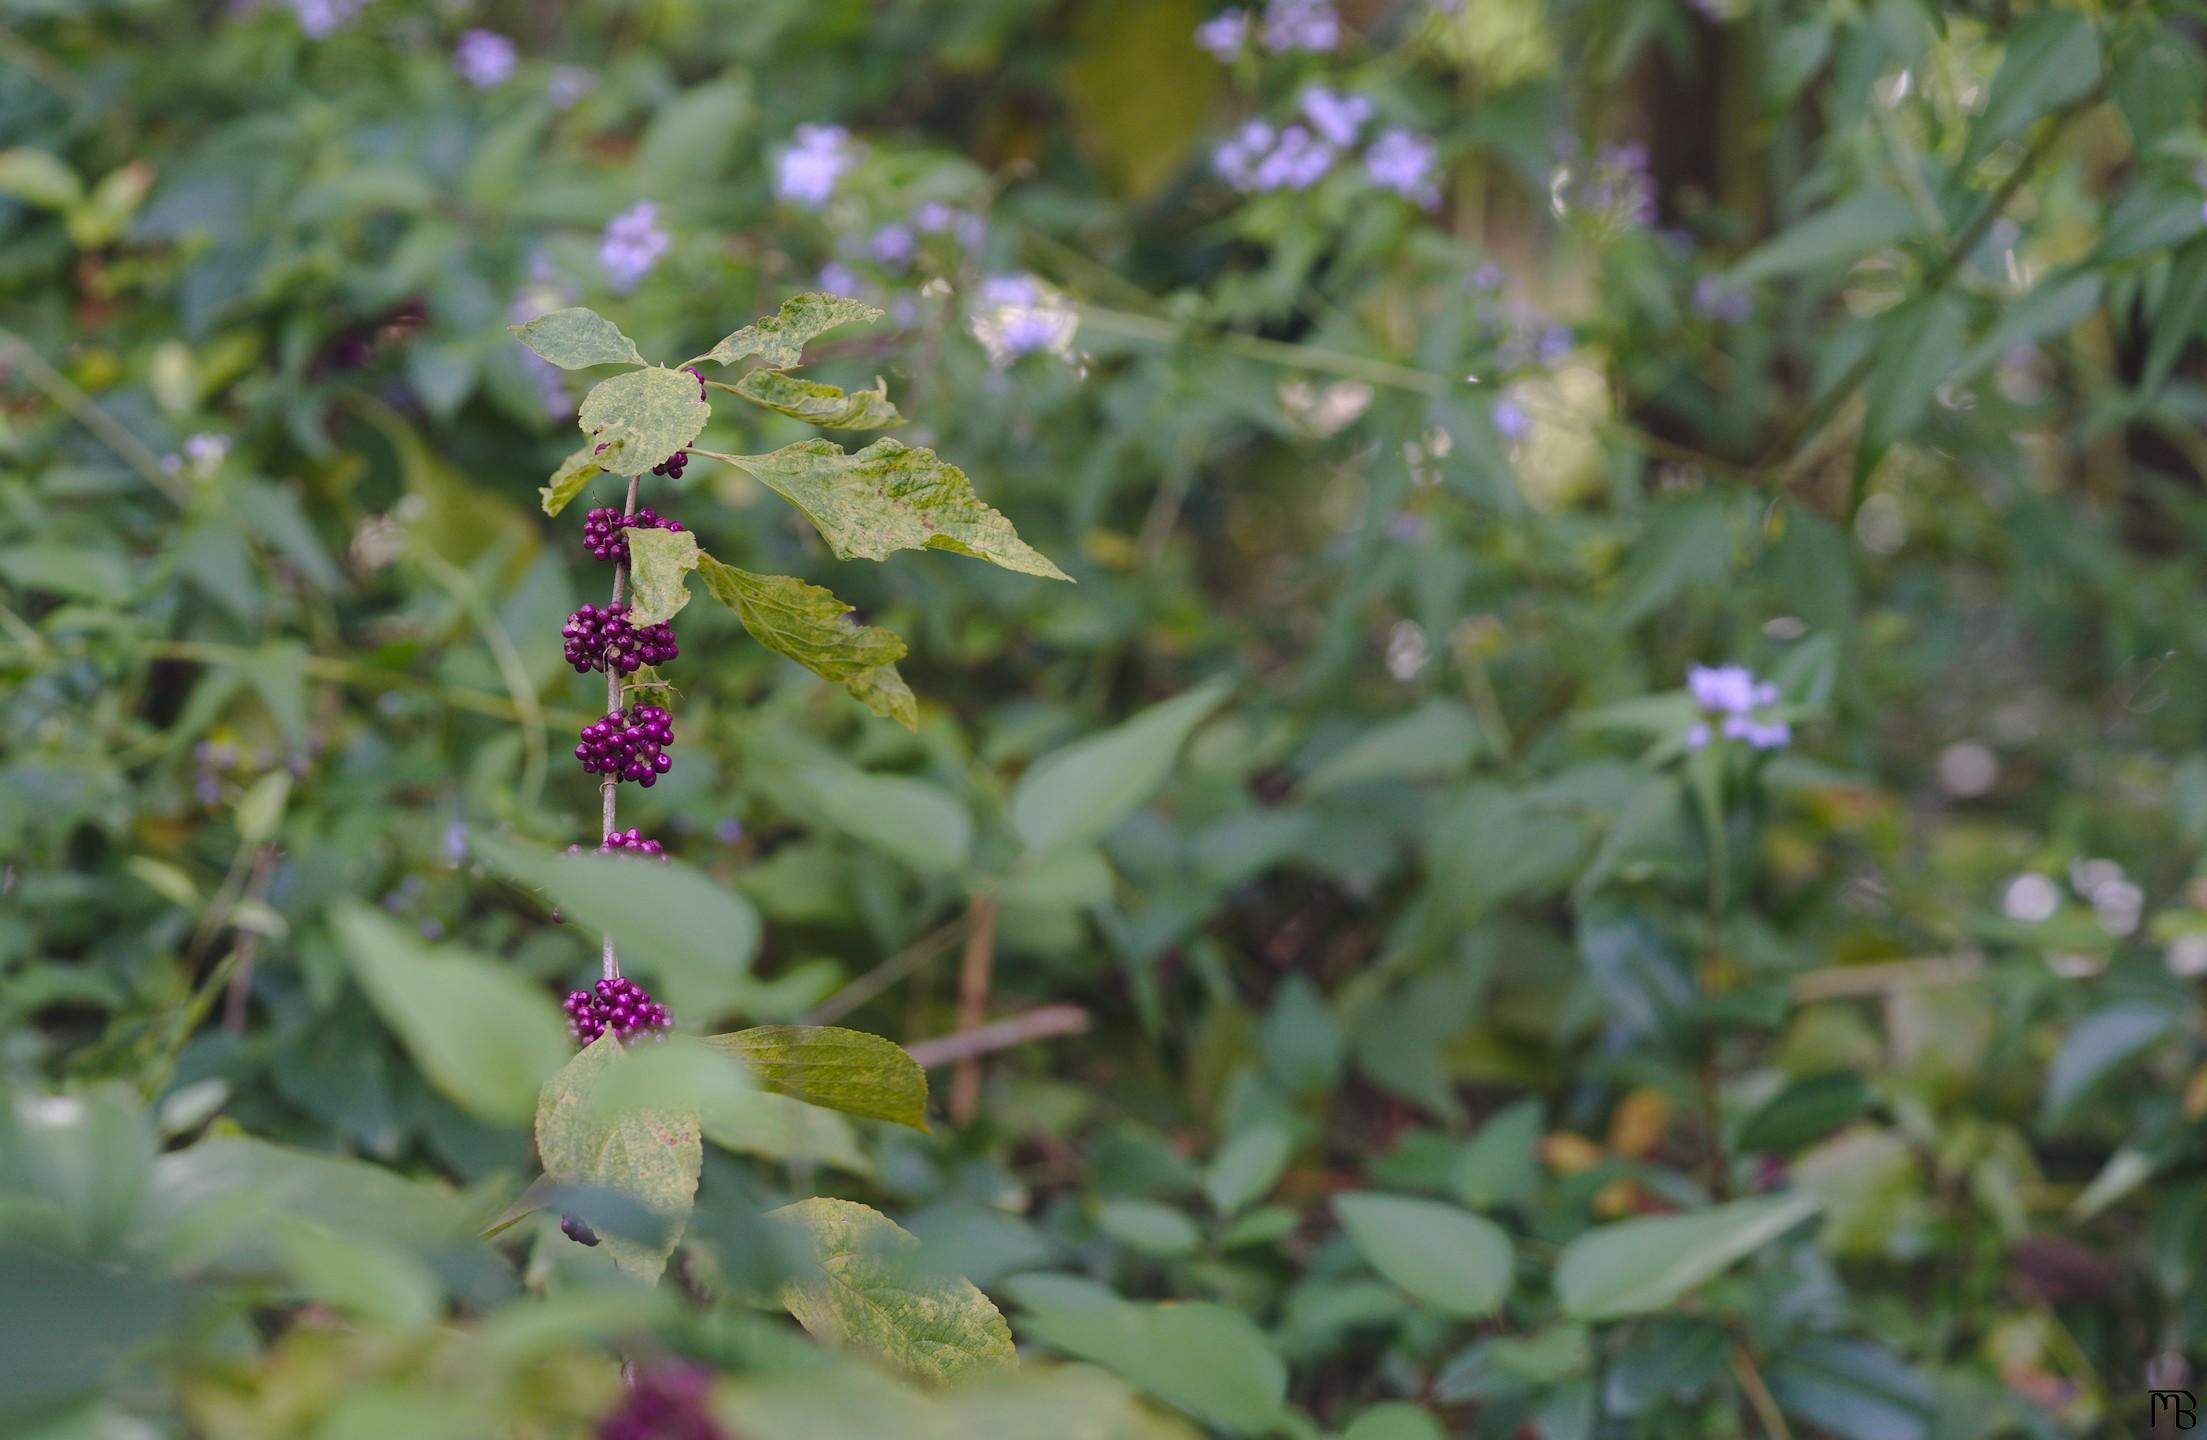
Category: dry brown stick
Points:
column 966, row 1046
column 1839, row 982
column 973, row 1002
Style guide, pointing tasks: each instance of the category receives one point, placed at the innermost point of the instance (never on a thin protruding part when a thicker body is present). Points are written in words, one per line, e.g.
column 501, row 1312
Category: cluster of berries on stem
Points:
column 664, row 1402
column 628, row 744
column 672, row 466
column 630, row 840
column 603, row 639
column 618, row 1004
column 604, row 531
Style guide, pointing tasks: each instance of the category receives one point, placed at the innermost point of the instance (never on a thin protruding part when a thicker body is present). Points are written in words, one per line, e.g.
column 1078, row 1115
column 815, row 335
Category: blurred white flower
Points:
column 2030, row 898
column 1015, row 315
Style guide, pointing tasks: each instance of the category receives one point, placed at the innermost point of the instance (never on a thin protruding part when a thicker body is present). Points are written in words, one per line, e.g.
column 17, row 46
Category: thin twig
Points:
column 973, row 1003
column 249, row 945
column 965, row 1047
column 915, row 956
column 82, row 409
column 607, row 786
column 1840, row 982
column 1759, row 1398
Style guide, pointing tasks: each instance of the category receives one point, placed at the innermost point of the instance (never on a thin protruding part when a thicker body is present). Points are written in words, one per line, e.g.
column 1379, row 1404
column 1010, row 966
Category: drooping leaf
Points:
column 779, row 339
column 2053, row 57
column 1805, row 1111
column 642, row 417
column 1635, row 1266
column 482, row 1034
column 1866, row 220
column 659, row 563
column 913, row 820
column 2178, row 320
column 889, row 497
column 2151, row 215
column 576, row 471
column 2053, row 308
column 576, row 338
column 847, row 1070
column 805, row 623
column 651, row 1154
column 1080, row 792
column 819, row 404
column 872, row 1291
column 1457, row 1262
column 2095, row 1047
column 1853, row 1389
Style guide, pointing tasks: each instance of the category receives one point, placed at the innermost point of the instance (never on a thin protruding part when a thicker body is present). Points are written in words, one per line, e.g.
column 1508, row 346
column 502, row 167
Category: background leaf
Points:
column 576, row 338
column 1453, row 1260
column 1635, row 1266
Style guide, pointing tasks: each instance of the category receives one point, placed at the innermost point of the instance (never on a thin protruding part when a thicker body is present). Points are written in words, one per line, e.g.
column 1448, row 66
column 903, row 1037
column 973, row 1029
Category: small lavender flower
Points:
column 319, row 19
column 1402, row 161
column 484, row 58
column 1017, row 315
column 1225, row 35
column 1510, row 420
column 1554, row 346
column 933, row 217
column 1236, row 159
column 836, row 278
column 1337, row 117
column 893, row 245
column 806, row 173
column 1722, row 301
column 568, row 84
column 1736, row 700
column 205, row 452
column 1298, row 162
column 632, row 245
column 1311, row 25
column 1488, row 276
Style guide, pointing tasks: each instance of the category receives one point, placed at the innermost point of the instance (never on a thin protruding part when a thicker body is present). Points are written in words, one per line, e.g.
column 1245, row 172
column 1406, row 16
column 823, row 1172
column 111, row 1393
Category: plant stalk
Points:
column 611, row 782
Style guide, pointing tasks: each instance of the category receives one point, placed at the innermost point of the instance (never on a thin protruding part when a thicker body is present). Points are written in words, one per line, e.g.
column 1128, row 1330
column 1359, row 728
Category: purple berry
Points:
column 600, row 639
column 573, row 1228
column 620, row 1005
column 630, row 840
column 664, row 1402
column 672, row 466
column 628, row 745
column 602, row 528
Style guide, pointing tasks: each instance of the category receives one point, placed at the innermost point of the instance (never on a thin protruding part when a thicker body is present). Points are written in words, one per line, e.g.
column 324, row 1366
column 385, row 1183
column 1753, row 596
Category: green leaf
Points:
column 2177, row 320
column 889, row 497
column 1148, row 1227
column 668, row 921
column 1918, row 347
column 1853, row 1389
column 651, row 1154
column 1394, row 1420
column 484, row 1036
column 847, row 1070
column 1082, row 791
column 1206, row 1359
column 577, row 338
column 1437, row 738
column 1866, row 220
column 359, row 1275
column 1246, row 1167
column 779, row 339
column 2053, row 307
column 873, row 1293
column 1457, row 1262
column 96, row 575
column 909, row 819
column 1636, row 1266
column 2053, row 58
column 659, row 563
column 1805, row 1111
column 775, row 1127
column 642, row 417
column 1688, row 541
column 1498, row 1166
column 2151, row 215
column 818, row 404
column 2095, row 1047
column 804, row 623
column 234, row 1186
column 38, row 178
column 576, row 471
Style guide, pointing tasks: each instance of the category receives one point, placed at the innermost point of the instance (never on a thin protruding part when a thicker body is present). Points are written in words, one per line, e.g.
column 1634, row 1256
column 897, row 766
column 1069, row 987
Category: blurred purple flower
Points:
column 1555, row 345
column 1236, row 159
column 322, row 18
column 836, row 278
column 1337, row 117
column 484, row 58
column 1488, row 276
column 1298, row 162
column 1014, row 316
column 632, row 245
column 1225, row 35
column 1733, row 696
column 1402, row 161
column 568, row 84
column 1721, row 300
column 1510, row 420
column 1299, row 25
column 892, row 245
column 806, row 173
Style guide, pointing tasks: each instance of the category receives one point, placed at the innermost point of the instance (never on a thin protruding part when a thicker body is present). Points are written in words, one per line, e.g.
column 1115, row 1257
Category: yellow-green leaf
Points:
column 576, row 338
column 658, row 411
column 648, row 1153
column 39, row 178
column 576, row 471
column 779, row 339
column 872, row 1291
column 889, row 497
column 819, row 404
column 805, row 623
column 847, row 1070
column 659, row 564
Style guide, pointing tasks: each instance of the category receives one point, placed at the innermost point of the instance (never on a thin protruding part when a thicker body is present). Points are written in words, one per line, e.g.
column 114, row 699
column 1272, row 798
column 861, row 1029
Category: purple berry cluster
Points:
column 671, row 467
column 602, row 530
column 620, row 1005
column 602, row 639
column 628, row 744
column 664, row 1402
column 631, row 840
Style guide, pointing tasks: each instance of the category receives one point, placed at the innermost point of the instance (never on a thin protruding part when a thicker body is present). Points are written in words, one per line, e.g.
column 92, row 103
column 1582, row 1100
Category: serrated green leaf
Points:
column 576, row 338
column 576, row 471
column 1636, row 1266
column 2053, row 57
column 779, row 339
column 818, row 404
column 889, row 497
column 1081, row 791
column 657, row 411
column 1453, row 1260
column 659, row 564
column 847, row 1070
column 484, row 1036
column 872, row 1292
column 804, row 623
column 647, row 1153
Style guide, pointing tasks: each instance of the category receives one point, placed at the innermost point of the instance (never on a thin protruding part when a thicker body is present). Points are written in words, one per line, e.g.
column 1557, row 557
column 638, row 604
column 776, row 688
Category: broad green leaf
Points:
column 100, row 576
column 2053, row 58
column 2158, row 80
column 1437, row 738
column 1688, row 542
column 2177, row 319
column 805, row 623
column 1854, row 1390
column 1206, row 1359
column 359, row 1275
column 818, row 404
column 1850, row 229
column 691, row 936
column 889, row 497
column 779, row 339
column 576, row 471
column 2053, row 308
column 1917, row 349
column 1805, row 1111
column 1635, row 1266
column 38, row 178
column 1079, row 793
column 484, row 1036
column 234, row 1187
column 2095, row 1047
column 847, row 1070
column 775, row 1127
column 1148, row 1227
column 577, row 338
column 828, row 1397
column 1455, row 1261
column 651, row 1154
column 659, row 564
column 2151, row 215
column 642, row 417
column 1395, row 1420
column 1499, row 1166
column 912, row 820
column 1246, row 1167
column 874, row 1293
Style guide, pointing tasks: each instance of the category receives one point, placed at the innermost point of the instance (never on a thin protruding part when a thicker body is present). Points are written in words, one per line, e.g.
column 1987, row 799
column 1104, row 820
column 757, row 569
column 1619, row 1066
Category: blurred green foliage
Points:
column 1408, row 1011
